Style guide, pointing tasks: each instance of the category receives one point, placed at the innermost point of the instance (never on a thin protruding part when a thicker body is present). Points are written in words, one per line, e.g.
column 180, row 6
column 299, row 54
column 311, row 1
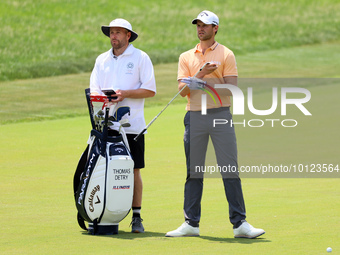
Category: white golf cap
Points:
column 207, row 17
column 120, row 23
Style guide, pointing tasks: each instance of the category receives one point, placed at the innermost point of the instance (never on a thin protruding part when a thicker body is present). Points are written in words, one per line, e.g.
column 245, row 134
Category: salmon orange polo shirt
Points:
column 192, row 60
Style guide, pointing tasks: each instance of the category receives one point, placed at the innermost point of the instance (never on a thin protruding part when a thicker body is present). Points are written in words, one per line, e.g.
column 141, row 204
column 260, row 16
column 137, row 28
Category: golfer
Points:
column 129, row 72
column 221, row 69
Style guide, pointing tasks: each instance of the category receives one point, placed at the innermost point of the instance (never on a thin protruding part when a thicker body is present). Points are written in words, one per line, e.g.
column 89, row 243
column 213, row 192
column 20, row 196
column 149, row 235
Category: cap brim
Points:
column 194, row 21
column 205, row 22
column 106, row 31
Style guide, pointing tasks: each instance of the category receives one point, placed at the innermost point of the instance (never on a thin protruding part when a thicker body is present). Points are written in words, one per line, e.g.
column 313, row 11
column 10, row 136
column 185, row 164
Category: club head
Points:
column 125, row 123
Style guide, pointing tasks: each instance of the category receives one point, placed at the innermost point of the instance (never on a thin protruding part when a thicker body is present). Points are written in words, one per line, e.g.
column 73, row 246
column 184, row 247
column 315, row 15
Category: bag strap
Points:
column 76, row 181
column 81, row 222
column 79, row 170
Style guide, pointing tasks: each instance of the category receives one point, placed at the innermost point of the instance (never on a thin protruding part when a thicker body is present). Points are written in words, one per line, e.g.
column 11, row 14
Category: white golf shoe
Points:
column 184, row 230
column 247, row 231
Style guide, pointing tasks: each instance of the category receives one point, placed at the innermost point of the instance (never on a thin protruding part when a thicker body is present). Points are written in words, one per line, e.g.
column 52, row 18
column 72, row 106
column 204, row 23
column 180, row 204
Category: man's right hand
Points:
column 208, row 69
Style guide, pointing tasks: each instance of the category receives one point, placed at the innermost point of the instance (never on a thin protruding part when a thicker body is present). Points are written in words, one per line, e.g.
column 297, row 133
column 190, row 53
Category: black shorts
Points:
column 137, row 149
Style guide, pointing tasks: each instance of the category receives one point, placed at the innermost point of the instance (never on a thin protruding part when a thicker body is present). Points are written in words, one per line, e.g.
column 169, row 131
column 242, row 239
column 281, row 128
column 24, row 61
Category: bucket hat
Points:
column 120, row 23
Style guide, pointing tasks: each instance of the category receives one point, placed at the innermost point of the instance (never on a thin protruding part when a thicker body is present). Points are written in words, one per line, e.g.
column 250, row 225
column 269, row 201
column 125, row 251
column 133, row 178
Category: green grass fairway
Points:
column 301, row 216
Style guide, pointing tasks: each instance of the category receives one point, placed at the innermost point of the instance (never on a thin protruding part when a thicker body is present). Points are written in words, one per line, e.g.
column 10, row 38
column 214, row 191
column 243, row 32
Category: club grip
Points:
column 139, row 135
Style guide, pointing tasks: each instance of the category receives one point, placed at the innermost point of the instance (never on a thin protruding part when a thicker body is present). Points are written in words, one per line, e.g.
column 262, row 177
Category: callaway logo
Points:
column 203, row 13
column 206, row 14
column 98, row 200
column 119, row 150
column 93, row 192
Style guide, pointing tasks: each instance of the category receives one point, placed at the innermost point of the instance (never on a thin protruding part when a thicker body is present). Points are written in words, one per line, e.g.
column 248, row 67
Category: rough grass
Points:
column 41, row 38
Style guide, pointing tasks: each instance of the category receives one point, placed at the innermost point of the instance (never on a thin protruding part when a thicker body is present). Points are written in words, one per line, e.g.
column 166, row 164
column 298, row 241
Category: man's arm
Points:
column 230, row 80
column 185, row 91
column 94, row 80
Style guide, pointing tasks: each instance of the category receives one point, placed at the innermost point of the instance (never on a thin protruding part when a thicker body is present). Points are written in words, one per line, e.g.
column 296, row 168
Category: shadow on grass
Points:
column 148, row 234
column 128, row 235
column 235, row 240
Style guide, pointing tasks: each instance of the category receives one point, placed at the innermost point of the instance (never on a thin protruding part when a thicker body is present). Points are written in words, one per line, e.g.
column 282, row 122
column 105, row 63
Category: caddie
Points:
column 129, row 72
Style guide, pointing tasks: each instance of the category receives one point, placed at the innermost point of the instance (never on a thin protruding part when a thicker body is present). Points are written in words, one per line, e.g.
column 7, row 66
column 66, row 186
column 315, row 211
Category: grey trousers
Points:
column 198, row 128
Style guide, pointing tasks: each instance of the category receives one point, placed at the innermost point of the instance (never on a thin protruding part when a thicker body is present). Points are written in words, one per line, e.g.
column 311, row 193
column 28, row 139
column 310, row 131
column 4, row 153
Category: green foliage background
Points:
column 40, row 38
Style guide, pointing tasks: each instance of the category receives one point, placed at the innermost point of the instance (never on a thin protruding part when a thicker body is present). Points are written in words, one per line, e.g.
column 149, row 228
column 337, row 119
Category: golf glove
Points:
column 194, row 83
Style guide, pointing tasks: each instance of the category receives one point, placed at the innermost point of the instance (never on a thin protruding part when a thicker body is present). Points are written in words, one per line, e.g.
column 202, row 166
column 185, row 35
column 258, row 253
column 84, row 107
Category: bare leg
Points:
column 138, row 189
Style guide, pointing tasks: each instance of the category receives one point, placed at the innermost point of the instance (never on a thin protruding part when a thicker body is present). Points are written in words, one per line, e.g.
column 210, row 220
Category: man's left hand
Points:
column 118, row 97
column 194, row 83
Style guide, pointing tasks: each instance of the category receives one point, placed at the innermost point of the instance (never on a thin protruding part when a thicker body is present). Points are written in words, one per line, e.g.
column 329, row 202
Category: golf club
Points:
column 153, row 120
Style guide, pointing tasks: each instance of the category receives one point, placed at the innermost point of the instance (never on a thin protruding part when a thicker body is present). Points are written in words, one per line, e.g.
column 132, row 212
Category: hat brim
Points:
column 194, row 21
column 106, row 31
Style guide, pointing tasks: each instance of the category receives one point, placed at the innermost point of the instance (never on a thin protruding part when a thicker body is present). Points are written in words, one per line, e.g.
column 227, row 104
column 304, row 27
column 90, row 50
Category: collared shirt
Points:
column 131, row 70
column 191, row 61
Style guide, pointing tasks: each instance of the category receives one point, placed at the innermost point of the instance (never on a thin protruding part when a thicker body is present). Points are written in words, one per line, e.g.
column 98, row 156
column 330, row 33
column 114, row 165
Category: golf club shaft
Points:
column 143, row 131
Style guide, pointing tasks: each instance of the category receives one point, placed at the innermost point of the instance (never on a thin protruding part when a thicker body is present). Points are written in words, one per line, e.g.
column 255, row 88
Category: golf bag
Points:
column 104, row 180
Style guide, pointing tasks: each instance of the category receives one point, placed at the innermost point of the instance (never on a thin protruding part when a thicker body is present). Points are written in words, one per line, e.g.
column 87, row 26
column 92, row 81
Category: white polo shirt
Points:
column 131, row 70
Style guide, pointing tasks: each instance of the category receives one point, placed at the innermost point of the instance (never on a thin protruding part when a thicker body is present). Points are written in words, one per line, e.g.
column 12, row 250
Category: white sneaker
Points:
column 247, row 231
column 184, row 230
